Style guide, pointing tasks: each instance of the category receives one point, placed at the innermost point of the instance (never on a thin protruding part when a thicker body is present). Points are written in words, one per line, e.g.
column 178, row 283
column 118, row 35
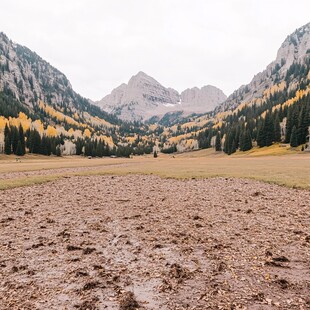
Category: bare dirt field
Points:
column 141, row 241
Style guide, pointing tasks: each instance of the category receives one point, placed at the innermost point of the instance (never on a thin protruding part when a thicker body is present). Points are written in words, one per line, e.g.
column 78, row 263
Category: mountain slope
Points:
column 29, row 79
column 293, row 51
column 143, row 97
column 273, row 107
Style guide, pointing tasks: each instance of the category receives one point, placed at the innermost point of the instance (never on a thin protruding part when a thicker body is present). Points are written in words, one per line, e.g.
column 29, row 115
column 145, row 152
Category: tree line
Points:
column 17, row 141
column 244, row 129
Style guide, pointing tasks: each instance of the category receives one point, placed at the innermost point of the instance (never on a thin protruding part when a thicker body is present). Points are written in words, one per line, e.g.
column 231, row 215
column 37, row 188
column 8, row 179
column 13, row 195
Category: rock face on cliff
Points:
column 144, row 97
column 203, row 99
column 30, row 77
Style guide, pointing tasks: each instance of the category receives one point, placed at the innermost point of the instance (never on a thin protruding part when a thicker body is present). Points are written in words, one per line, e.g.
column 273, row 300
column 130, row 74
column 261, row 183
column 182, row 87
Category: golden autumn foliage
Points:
column 153, row 127
column 87, row 133
column 98, row 121
column 51, row 131
column 177, row 139
column 299, row 94
column 71, row 131
column 131, row 139
column 107, row 140
column 277, row 107
column 76, row 116
column 3, row 122
column 37, row 124
column 217, row 125
column 59, row 115
column 22, row 119
column 275, row 88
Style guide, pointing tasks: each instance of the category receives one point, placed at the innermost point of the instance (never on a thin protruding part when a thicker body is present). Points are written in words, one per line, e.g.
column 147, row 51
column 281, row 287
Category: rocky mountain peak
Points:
column 206, row 97
column 144, row 97
column 295, row 47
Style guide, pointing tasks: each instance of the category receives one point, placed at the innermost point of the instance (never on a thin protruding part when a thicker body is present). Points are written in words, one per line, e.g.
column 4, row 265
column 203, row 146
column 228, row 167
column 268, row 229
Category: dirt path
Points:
column 111, row 242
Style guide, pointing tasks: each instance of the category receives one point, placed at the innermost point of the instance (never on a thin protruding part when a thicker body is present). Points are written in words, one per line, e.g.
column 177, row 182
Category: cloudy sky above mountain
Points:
column 181, row 43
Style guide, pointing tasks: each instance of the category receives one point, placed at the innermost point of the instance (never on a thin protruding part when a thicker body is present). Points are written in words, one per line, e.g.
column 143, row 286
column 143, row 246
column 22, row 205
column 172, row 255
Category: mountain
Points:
column 40, row 110
column 31, row 85
column 293, row 51
column 201, row 100
column 41, row 113
column 137, row 99
column 273, row 107
column 143, row 98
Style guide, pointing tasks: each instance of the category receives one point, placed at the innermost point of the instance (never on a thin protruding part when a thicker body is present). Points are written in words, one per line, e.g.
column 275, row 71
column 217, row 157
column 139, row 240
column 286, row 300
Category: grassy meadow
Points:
column 273, row 165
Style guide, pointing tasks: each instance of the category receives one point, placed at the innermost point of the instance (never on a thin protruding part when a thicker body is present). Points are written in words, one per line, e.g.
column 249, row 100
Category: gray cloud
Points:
column 181, row 43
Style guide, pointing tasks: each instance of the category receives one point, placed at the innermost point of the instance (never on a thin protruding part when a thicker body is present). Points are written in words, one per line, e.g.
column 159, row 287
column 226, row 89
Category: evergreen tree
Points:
column 7, row 140
column 79, row 143
column 237, row 136
column 218, row 146
column 268, row 130
column 248, row 143
column 100, row 148
column 209, row 137
column 43, row 146
column 261, row 139
column 302, row 126
column 22, row 139
column 293, row 140
column 233, row 147
column 227, row 143
column 19, row 149
column 34, row 142
column 292, row 120
column 277, row 129
column 14, row 138
column 106, row 150
column 242, row 140
column 58, row 153
column 53, row 147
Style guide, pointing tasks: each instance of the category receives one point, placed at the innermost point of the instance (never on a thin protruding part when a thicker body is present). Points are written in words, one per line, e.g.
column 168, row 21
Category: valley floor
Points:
column 290, row 170
column 116, row 242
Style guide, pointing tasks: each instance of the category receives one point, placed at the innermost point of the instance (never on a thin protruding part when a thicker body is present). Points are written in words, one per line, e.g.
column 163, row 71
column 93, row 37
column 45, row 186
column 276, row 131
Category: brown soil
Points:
column 128, row 242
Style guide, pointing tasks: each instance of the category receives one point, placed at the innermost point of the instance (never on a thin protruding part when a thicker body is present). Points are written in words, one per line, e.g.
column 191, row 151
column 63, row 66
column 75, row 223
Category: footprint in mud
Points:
column 282, row 283
column 73, row 248
column 128, row 301
column 91, row 285
column 88, row 250
column 88, row 304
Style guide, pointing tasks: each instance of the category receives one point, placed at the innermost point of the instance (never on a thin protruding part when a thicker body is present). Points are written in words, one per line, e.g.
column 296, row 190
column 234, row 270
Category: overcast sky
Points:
column 181, row 43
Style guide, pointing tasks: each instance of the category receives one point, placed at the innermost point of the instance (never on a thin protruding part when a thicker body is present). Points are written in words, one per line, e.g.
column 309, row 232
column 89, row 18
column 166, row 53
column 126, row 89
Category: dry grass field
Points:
column 291, row 170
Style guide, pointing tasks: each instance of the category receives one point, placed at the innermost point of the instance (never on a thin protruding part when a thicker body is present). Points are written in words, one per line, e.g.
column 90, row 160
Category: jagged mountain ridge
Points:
column 144, row 97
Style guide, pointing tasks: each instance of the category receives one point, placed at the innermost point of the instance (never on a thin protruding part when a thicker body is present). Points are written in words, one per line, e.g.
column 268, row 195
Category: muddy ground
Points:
column 128, row 242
